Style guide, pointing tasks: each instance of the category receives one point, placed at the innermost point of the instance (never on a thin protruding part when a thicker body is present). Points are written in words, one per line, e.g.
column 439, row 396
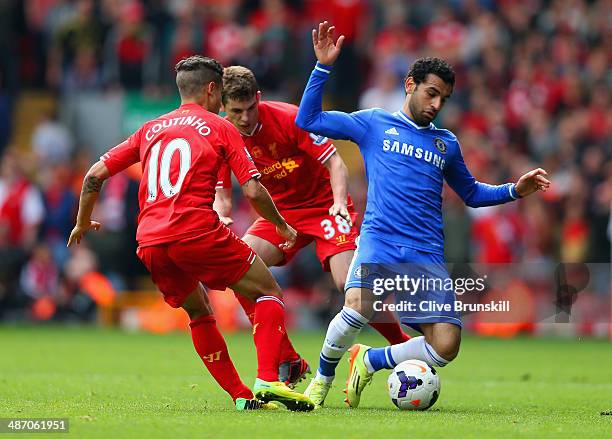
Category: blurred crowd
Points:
column 533, row 89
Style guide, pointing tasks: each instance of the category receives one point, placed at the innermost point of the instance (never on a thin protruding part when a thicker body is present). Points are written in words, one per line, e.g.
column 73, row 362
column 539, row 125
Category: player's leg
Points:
column 341, row 334
column 384, row 321
column 347, row 324
column 259, row 285
column 271, row 255
column 292, row 368
column 437, row 347
column 210, row 345
column 180, row 289
column 441, row 330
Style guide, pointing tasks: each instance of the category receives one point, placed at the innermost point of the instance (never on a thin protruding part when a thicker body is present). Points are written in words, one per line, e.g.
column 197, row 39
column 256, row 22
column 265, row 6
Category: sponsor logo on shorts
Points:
column 341, row 240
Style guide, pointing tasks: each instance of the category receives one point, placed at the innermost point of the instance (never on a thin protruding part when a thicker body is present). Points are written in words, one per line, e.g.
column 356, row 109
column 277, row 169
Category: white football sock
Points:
column 341, row 334
column 417, row 349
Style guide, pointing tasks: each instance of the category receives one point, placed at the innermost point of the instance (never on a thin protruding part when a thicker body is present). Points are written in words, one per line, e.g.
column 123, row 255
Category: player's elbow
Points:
column 475, row 202
column 336, row 165
column 469, row 197
column 469, row 202
column 340, row 167
column 253, row 190
column 301, row 122
column 98, row 171
column 305, row 121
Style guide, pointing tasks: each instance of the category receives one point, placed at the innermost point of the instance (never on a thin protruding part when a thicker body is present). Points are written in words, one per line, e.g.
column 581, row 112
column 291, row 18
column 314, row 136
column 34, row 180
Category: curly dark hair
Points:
column 195, row 72
column 436, row 66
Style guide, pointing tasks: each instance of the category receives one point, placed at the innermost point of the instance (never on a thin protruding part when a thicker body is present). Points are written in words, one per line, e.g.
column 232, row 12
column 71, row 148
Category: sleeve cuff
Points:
column 513, row 193
column 323, row 68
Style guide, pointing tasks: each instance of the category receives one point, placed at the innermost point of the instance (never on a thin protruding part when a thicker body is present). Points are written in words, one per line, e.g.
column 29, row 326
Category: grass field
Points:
column 117, row 385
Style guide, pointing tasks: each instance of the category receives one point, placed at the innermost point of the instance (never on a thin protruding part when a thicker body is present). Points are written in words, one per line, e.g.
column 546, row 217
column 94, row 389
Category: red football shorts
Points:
column 332, row 235
column 217, row 258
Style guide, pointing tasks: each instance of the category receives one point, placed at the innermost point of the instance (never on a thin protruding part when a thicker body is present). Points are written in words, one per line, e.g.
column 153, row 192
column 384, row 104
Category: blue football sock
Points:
column 379, row 358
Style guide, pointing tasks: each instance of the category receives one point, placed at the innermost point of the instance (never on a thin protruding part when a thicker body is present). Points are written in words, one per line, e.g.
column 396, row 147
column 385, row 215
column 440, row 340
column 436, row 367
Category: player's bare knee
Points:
column 195, row 311
column 197, row 303
column 269, row 287
column 275, row 290
column 355, row 301
column 446, row 346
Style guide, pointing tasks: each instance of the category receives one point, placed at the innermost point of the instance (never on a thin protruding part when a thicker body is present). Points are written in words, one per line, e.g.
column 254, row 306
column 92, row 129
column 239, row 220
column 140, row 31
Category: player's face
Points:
column 243, row 114
column 427, row 98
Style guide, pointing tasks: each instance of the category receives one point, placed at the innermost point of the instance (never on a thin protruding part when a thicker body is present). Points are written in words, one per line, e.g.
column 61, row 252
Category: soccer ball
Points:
column 413, row 385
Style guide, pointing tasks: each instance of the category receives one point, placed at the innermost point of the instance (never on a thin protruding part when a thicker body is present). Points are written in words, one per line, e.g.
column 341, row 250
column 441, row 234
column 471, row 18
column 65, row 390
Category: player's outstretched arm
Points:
column 477, row 194
column 338, row 176
column 92, row 184
column 261, row 201
column 311, row 117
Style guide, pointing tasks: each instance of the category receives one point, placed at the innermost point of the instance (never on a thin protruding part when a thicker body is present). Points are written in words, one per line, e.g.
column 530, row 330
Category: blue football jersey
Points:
column 406, row 166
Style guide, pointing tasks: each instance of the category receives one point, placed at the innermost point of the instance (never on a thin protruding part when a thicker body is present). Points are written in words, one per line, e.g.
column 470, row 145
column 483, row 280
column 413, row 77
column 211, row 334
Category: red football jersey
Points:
column 289, row 158
column 180, row 153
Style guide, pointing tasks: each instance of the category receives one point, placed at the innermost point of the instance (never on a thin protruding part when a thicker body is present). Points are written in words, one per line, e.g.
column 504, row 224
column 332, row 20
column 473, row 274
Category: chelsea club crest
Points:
column 440, row 145
column 361, row 272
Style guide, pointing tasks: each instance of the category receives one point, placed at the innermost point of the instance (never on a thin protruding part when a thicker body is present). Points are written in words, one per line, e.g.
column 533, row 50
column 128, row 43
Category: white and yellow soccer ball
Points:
column 413, row 385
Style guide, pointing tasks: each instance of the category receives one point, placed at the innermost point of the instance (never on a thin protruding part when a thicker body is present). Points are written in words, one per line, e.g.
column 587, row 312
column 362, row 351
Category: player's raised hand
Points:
column 532, row 181
column 325, row 48
column 341, row 210
column 289, row 233
column 79, row 230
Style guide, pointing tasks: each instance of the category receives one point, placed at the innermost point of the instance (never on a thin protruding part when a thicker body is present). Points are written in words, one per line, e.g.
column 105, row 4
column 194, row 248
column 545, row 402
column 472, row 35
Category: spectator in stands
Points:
column 52, row 142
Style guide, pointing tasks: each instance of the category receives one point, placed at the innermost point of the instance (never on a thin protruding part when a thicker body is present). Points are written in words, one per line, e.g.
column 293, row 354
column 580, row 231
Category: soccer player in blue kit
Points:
column 407, row 158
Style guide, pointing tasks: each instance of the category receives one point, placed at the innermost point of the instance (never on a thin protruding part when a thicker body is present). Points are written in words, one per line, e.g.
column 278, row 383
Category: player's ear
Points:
column 258, row 96
column 409, row 85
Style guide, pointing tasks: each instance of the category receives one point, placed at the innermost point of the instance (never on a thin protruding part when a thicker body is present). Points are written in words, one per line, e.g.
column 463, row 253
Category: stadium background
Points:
column 76, row 77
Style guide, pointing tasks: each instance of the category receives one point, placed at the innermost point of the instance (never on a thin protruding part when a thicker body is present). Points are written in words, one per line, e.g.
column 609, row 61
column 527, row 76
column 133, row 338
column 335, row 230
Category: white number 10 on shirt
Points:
column 169, row 189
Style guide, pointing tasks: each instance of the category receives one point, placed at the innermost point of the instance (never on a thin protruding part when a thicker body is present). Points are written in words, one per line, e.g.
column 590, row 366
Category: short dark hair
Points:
column 436, row 66
column 239, row 83
column 193, row 73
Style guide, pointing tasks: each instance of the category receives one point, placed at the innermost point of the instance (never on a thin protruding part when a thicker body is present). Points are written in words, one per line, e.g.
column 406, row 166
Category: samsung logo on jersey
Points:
column 194, row 121
column 411, row 151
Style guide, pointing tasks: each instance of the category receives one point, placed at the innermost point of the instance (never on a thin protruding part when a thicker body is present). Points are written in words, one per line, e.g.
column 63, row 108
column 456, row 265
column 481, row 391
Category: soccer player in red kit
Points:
column 307, row 180
column 180, row 238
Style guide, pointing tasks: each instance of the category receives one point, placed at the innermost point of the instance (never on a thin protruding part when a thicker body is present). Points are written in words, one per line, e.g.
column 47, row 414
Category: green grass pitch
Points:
column 112, row 384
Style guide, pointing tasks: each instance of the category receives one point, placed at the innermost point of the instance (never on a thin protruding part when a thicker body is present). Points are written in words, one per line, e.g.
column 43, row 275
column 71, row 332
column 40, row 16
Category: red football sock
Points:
column 210, row 346
column 288, row 352
column 268, row 333
column 389, row 328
